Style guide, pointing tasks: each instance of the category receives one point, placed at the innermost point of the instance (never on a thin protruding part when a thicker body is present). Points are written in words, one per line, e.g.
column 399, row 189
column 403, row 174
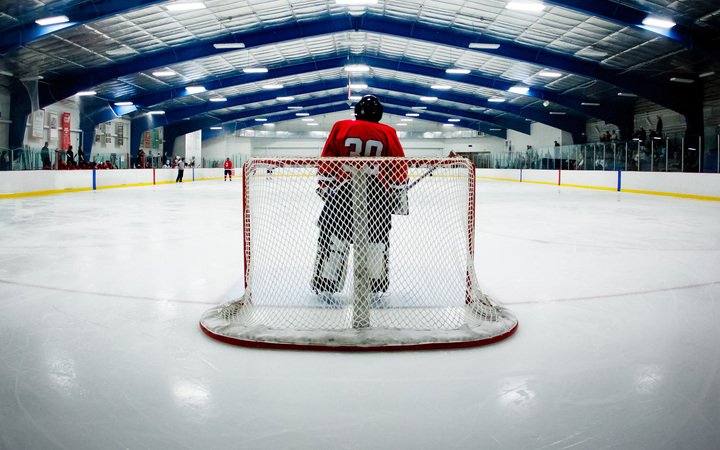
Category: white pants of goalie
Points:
column 332, row 260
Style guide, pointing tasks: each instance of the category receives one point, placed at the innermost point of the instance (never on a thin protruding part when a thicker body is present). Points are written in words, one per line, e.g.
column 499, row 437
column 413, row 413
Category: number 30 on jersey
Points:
column 357, row 147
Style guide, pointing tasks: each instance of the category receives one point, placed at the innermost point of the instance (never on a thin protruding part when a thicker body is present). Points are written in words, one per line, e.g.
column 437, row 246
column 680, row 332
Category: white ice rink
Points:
column 618, row 298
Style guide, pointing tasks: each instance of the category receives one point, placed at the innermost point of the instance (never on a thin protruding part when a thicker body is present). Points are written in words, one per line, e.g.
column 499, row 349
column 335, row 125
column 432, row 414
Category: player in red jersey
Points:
column 386, row 184
column 228, row 169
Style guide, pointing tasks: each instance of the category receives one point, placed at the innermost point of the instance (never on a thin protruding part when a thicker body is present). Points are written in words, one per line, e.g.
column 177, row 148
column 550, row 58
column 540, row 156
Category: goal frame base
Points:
column 353, row 340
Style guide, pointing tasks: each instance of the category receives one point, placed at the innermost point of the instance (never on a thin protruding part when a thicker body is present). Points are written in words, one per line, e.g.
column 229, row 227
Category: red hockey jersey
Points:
column 228, row 164
column 352, row 138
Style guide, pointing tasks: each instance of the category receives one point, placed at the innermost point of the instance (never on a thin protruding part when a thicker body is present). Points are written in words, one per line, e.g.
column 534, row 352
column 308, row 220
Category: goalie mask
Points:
column 369, row 109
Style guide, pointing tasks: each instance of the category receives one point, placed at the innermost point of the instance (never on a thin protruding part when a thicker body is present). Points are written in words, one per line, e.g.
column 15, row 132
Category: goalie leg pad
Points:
column 331, row 265
column 377, row 259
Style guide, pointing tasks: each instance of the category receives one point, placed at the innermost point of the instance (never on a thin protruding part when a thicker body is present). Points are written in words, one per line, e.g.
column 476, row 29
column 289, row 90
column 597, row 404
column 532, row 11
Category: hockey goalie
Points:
column 360, row 199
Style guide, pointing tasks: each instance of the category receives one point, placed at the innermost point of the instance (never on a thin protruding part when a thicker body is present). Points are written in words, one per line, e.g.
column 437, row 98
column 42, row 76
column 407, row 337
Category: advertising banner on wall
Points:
column 65, row 136
column 53, row 122
column 119, row 131
column 38, row 123
column 146, row 139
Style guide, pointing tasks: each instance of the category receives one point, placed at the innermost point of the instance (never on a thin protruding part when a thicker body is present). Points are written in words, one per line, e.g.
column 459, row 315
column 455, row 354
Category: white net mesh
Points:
column 359, row 252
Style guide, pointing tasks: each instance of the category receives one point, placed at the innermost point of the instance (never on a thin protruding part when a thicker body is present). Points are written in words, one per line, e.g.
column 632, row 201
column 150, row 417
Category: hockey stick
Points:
column 426, row 174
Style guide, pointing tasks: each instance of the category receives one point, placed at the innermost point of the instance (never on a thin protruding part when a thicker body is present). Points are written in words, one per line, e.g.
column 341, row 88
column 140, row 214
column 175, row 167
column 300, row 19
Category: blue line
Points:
column 94, row 181
column 619, row 180
column 193, row 173
column 521, row 174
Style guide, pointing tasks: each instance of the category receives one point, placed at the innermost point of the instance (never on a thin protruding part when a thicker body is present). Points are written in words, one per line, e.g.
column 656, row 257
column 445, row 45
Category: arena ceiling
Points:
column 484, row 64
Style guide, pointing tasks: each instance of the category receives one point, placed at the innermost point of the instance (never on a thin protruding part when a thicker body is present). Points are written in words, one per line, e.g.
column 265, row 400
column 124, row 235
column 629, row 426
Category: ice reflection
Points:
column 191, row 393
column 515, row 393
column 647, row 378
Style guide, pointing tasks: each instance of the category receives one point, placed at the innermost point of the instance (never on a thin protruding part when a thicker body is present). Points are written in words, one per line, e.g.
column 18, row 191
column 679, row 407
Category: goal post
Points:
column 359, row 254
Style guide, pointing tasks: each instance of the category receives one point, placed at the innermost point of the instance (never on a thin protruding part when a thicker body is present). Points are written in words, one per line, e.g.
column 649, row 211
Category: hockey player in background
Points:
column 363, row 137
column 228, row 169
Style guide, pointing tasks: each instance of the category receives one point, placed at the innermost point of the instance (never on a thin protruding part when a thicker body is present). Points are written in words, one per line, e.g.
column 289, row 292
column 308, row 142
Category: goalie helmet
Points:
column 369, row 109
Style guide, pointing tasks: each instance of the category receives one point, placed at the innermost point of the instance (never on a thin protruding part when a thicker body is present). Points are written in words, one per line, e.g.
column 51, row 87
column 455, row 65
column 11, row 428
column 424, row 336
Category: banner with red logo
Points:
column 65, row 134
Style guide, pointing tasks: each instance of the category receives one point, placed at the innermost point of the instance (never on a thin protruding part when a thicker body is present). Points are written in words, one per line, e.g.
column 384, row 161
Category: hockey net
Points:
column 359, row 253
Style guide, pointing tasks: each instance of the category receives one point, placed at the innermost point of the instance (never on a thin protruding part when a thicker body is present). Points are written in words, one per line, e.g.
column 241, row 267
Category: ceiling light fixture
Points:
column 682, row 80
column 358, row 86
column 549, row 74
column 123, row 103
column 155, row 113
column 52, row 20
column 357, row 68
column 218, row 99
column 448, row 124
column 626, row 94
column 406, row 119
column 295, row 107
column 302, row 114
column 519, row 90
column 658, row 22
column 272, row 86
column 412, row 114
column 355, row 98
column 453, row 120
column 441, row 87
column 428, row 99
column 496, row 99
column 195, row 89
column 163, row 73
column 484, row 46
column 706, row 74
column 525, row 6
column 261, row 119
column 589, row 104
column 557, row 113
column 216, row 128
column 495, row 129
column 457, row 71
column 312, row 124
column 285, row 99
column 418, row 107
column 85, row 93
column 255, row 70
column 185, row 6
column 308, row 119
column 228, row 45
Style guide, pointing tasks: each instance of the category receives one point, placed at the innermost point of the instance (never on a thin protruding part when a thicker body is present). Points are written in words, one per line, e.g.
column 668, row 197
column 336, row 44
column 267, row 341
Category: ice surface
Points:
column 101, row 292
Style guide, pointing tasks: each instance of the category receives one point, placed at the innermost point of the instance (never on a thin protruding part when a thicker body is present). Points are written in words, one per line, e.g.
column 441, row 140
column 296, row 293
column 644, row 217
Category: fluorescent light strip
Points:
column 85, row 93
column 428, row 99
column 519, row 90
column 218, row 99
column 557, row 113
column 441, row 87
column 52, row 20
column 357, row 68
column 658, row 22
column 355, row 97
column 260, row 119
column 358, row 86
column 682, row 80
column 195, row 89
column 457, row 71
column 453, row 120
column 483, row 46
column 312, row 124
column 216, row 128
column 163, row 73
column 285, row 99
column 154, row 113
column 549, row 74
column 406, row 119
column 228, row 45
column 302, row 114
column 495, row 129
column 255, row 70
column 706, row 74
column 418, row 107
column 308, row 119
column 496, row 100
column 448, row 124
column 525, row 6
column 589, row 104
column 123, row 103
column 412, row 114
column 185, row 6
column 626, row 94
column 295, row 107
column 272, row 86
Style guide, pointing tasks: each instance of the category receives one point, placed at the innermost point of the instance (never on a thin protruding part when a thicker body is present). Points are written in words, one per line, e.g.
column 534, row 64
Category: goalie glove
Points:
column 326, row 184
